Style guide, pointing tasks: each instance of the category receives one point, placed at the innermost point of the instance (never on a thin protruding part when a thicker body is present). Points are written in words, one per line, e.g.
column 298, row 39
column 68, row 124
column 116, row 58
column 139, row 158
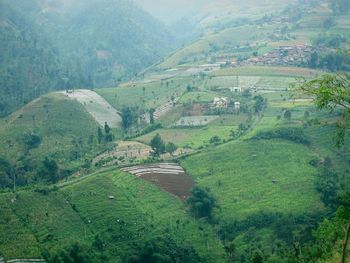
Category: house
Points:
column 220, row 102
column 237, row 105
column 235, row 89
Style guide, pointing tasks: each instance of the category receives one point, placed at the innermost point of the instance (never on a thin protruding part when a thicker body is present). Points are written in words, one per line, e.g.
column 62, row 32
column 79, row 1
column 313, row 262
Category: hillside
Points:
column 110, row 230
column 248, row 41
column 53, row 127
column 112, row 150
column 58, row 45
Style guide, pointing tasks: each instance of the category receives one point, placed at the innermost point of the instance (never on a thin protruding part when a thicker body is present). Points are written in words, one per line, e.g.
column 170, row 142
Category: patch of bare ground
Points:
column 171, row 177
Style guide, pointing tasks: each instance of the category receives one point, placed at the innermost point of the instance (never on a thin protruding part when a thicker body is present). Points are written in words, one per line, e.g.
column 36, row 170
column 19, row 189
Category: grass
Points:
column 199, row 96
column 240, row 175
column 81, row 211
column 191, row 137
column 63, row 125
column 16, row 241
column 144, row 94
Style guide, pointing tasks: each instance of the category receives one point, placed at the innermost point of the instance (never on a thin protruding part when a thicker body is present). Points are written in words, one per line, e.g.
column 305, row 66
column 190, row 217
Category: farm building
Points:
column 235, row 89
column 220, row 102
column 237, row 105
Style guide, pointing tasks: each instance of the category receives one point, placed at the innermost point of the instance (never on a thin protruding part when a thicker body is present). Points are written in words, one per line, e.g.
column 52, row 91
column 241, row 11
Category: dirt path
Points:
column 97, row 106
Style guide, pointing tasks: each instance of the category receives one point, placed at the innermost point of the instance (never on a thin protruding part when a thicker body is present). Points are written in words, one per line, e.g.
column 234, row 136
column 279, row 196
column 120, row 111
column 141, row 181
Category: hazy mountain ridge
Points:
column 65, row 44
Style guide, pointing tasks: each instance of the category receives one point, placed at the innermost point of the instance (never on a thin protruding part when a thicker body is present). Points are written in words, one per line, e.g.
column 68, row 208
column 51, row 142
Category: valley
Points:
column 212, row 154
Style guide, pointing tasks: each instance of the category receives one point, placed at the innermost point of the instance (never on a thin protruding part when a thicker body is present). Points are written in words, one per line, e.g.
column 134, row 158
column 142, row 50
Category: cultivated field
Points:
column 97, row 106
column 168, row 176
column 138, row 211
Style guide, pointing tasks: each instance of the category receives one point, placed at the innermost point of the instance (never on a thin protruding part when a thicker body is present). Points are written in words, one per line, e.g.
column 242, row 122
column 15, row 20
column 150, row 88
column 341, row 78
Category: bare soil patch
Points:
column 169, row 176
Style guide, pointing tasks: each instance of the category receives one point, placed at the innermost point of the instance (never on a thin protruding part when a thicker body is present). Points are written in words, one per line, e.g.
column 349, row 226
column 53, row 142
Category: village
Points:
column 284, row 55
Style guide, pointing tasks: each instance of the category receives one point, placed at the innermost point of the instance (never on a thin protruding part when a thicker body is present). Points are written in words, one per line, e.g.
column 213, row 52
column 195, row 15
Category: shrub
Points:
column 291, row 134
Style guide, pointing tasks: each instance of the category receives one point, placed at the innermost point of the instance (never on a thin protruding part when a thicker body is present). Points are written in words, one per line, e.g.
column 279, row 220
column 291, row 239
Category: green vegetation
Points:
column 71, row 45
column 53, row 127
column 269, row 184
column 201, row 202
column 144, row 95
column 112, row 214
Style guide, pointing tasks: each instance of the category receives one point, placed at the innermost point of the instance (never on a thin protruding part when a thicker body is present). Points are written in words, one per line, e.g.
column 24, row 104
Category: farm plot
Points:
column 243, row 82
column 97, row 106
column 169, row 176
column 144, row 94
column 195, row 121
column 191, row 137
column 124, row 151
column 274, row 83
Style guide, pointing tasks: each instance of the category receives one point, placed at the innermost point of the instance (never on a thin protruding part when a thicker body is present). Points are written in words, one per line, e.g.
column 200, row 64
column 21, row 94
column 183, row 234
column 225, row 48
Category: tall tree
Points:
column 201, row 202
column 331, row 92
column 157, row 145
column 99, row 135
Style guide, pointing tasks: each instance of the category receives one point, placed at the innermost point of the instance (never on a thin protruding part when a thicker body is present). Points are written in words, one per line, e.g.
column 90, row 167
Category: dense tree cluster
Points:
column 86, row 44
column 202, row 202
column 163, row 250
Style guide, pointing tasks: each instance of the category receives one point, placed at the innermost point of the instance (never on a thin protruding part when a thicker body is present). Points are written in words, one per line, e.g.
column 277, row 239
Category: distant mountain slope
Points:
column 49, row 45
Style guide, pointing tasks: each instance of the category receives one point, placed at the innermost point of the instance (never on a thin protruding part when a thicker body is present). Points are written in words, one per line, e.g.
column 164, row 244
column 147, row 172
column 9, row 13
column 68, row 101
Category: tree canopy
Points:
column 331, row 92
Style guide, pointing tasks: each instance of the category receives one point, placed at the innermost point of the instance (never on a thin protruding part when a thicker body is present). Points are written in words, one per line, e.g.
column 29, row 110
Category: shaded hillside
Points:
column 48, row 45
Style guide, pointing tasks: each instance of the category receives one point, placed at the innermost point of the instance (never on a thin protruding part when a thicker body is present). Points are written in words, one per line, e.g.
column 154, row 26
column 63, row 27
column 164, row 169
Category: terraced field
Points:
column 119, row 208
column 169, row 176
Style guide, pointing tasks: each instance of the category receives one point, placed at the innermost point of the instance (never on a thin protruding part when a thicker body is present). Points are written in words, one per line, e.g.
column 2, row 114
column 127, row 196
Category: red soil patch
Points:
column 168, row 176
column 176, row 184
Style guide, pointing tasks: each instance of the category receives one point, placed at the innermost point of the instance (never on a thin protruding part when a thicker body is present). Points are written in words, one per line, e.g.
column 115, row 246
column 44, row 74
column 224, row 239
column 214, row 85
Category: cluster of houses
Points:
column 222, row 103
column 283, row 55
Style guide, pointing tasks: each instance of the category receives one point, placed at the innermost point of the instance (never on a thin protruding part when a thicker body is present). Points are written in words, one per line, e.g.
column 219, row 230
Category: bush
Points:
column 201, row 202
column 163, row 249
column 291, row 134
column 31, row 141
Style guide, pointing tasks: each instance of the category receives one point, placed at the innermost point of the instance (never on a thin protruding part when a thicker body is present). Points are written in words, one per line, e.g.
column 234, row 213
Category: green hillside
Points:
column 58, row 45
column 82, row 212
column 52, row 127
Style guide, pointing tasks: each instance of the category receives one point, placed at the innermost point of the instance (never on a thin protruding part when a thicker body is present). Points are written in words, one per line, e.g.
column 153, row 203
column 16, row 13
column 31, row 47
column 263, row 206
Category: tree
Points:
column 128, row 117
column 259, row 103
column 257, row 258
column 99, row 135
column 287, row 115
column 313, row 62
column 157, row 145
column 331, row 92
column 170, row 148
column 201, row 202
column 48, row 170
column 107, row 128
column 151, row 115
column 31, row 141
column 109, row 135
column 329, row 22
column 76, row 253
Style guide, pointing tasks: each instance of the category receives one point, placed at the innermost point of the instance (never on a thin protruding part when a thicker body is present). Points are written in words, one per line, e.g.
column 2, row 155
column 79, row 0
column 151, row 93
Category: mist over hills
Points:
column 48, row 45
